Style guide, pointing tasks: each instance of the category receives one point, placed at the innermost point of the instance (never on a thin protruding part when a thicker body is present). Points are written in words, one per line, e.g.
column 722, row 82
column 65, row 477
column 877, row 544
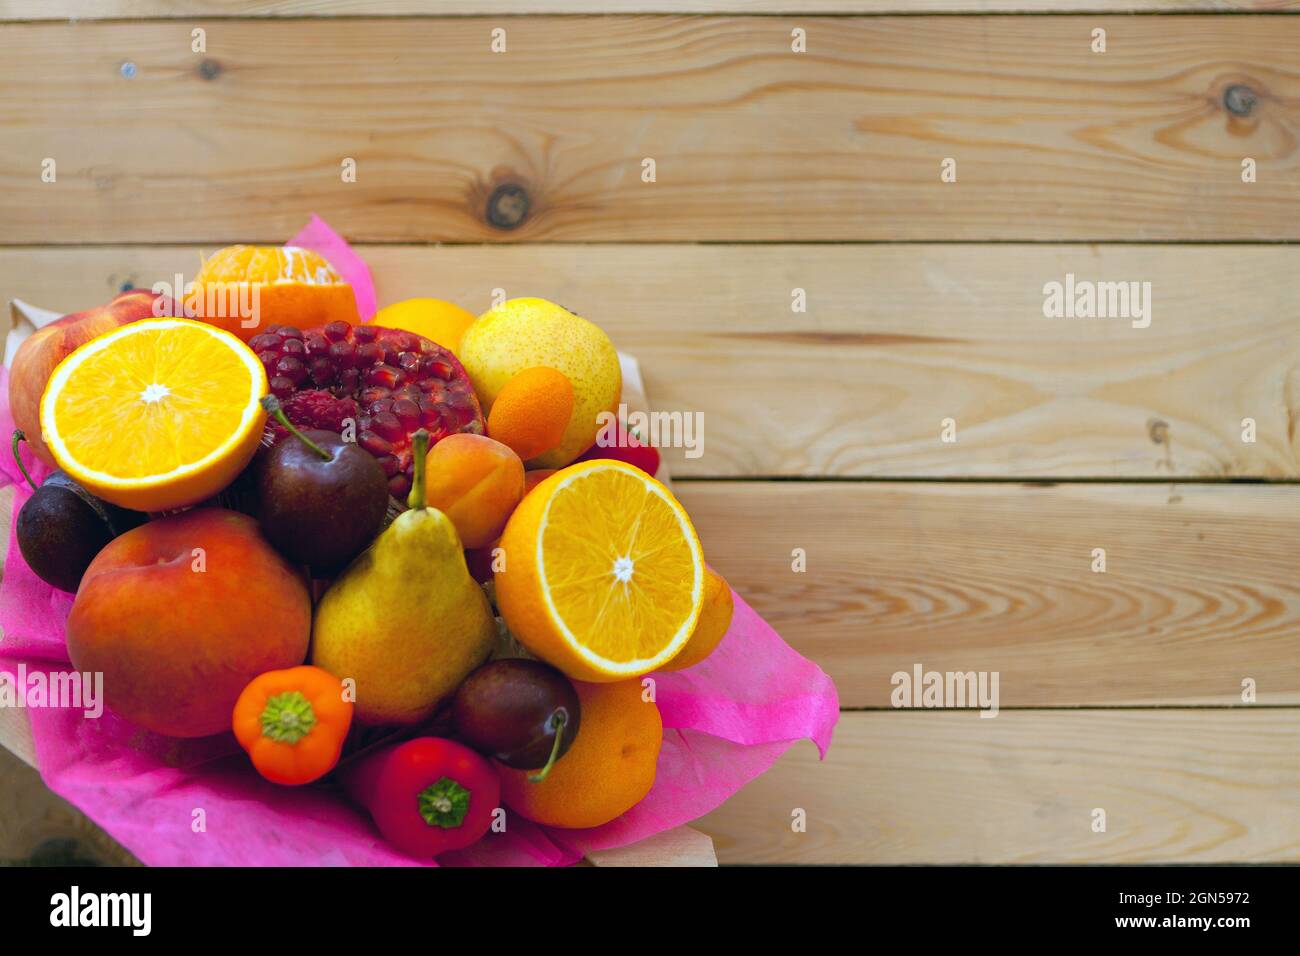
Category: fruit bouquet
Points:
column 293, row 583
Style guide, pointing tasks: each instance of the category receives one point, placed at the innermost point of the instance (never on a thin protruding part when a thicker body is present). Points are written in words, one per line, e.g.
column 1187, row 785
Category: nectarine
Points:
column 181, row 613
column 45, row 348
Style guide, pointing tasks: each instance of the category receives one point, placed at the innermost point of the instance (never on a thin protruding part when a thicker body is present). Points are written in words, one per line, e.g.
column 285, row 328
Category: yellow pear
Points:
column 405, row 621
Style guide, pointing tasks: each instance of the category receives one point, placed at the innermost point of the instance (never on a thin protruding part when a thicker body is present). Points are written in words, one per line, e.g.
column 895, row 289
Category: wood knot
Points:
column 1239, row 99
column 507, row 206
column 209, row 69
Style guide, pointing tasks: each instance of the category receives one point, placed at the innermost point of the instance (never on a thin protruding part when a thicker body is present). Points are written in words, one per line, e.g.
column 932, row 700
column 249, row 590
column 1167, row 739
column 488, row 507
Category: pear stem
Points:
column 272, row 406
column 13, row 446
column 420, row 451
column 560, row 720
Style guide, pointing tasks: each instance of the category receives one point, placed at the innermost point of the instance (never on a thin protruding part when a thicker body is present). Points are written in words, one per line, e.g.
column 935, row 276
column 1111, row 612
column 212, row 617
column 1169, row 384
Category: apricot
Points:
column 181, row 613
column 532, row 411
column 476, row 482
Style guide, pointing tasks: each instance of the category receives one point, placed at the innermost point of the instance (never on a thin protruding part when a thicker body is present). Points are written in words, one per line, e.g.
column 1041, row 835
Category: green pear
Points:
column 405, row 620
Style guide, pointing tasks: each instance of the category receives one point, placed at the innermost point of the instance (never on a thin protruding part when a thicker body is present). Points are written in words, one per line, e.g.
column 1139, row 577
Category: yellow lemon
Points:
column 526, row 333
column 438, row 321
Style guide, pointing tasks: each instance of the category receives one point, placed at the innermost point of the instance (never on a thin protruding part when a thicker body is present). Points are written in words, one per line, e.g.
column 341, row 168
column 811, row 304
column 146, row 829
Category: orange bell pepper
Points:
column 292, row 723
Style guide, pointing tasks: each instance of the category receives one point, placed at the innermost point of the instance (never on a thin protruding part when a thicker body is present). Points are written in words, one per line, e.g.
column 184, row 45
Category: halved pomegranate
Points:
column 389, row 382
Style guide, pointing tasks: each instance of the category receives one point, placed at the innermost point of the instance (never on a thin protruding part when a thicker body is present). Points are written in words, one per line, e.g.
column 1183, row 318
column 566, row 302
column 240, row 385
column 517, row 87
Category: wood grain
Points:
column 115, row 9
column 752, row 141
column 895, row 339
column 1194, row 786
column 1201, row 589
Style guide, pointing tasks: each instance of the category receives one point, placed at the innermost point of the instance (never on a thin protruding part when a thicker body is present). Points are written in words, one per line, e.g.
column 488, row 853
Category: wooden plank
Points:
column 1200, row 590
column 1195, row 786
column 122, row 9
column 896, row 338
column 752, row 141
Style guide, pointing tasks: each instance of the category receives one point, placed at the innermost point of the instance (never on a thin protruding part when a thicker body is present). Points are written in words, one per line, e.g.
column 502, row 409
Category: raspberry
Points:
column 389, row 382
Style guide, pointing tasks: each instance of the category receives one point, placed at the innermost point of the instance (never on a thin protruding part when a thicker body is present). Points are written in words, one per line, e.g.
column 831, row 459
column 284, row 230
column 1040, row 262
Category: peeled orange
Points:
column 157, row 415
column 245, row 289
column 604, row 576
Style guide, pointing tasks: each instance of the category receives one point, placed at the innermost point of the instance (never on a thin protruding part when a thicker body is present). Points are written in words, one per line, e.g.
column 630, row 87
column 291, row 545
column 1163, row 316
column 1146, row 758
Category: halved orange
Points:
column 244, row 289
column 159, row 414
column 604, row 575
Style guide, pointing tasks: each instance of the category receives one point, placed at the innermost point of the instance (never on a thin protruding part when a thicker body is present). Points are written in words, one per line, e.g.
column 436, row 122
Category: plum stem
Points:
column 13, row 446
column 420, row 451
column 273, row 408
column 559, row 720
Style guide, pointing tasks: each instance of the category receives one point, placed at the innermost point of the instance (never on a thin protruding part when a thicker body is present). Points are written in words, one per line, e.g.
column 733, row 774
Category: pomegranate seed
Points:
column 369, row 396
column 409, row 362
column 374, row 444
column 390, row 464
column 408, row 413
column 384, row 376
column 281, row 386
column 386, row 425
column 316, row 343
column 337, row 331
column 430, row 418
column 343, row 354
column 369, row 353
column 441, row 369
column 382, row 405
column 289, row 332
column 292, row 368
column 322, row 371
column 268, row 360
column 264, row 341
column 364, row 333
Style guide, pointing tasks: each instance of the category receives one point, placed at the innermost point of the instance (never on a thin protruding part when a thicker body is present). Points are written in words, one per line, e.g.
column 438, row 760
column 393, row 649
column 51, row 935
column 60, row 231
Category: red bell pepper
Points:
column 426, row 795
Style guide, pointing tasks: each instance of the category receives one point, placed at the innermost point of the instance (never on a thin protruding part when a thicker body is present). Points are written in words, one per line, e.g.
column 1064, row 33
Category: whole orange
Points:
column 607, row 771
column 532, row 411
column 715, row 619
column 244, row 289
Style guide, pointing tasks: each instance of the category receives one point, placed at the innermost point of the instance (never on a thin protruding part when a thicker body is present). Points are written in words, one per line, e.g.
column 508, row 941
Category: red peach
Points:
column 45, row 348
column 181, row 613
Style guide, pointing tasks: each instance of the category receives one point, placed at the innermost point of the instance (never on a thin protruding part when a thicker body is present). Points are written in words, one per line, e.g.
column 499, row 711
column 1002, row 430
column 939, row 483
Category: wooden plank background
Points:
column 895, row 339
column 751, row 141
column 820, row 172
column 115, row 9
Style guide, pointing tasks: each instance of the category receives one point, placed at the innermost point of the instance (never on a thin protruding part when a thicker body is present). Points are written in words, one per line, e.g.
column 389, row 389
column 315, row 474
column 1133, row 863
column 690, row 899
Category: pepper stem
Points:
column 420, row 451
column 444, row 804
column 273, row 408
column 288, row 717
column 559, row 720
column 13, row 446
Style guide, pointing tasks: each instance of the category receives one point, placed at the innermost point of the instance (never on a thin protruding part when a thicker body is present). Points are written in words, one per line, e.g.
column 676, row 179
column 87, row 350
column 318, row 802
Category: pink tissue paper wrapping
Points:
column 726, row 720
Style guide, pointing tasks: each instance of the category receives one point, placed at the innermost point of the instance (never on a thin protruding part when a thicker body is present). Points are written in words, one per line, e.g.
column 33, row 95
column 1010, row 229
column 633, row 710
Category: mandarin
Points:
column 609, row 768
